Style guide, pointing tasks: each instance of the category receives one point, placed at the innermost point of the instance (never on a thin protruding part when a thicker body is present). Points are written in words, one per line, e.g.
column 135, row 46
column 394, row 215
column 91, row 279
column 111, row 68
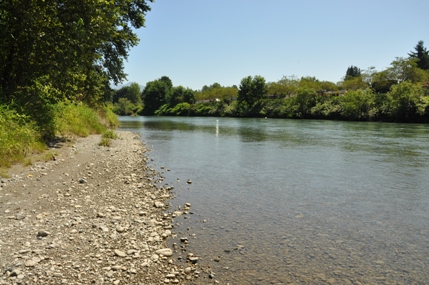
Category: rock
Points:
column 189, row 181
column 14, row 272
column 131, row 251
column 32, row 262
column 193, row 259
column 104, row 228
column 158, row 204
column 20, row 216
column 120, row 253
column 82, row 181
column 165, row 251
column 43, row 234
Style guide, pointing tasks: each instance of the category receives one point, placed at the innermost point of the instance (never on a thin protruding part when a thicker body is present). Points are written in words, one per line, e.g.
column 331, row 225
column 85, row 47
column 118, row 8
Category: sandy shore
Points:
column 91, row 215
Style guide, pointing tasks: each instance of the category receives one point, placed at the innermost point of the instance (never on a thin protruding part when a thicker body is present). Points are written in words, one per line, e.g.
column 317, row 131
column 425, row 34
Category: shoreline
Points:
column 91, row 215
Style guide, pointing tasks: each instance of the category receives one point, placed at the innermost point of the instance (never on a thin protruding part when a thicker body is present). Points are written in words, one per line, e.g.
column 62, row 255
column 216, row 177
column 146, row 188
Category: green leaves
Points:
column 251, row 90
column 79, row 45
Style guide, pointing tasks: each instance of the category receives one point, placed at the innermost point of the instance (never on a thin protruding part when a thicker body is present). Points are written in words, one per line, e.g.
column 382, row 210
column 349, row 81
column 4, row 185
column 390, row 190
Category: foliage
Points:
column 251, row 90
column 124, row 107
column 407, row 102
column 352, row 72
column 107, row 137
column 402, row 69
column 108, row 117
column 76, row 119
column 180, row 94
column 18, row 137
column 132, row 93
column 397, row 93
column 358, row 105
column 305, row 99
column 216, row 92
column 76, row 46
column 354, row 83
column 422, row 56
column 155, row 94
column 105, row 142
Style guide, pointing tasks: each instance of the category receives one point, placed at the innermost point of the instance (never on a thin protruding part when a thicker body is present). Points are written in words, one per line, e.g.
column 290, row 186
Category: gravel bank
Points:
column 91, row 215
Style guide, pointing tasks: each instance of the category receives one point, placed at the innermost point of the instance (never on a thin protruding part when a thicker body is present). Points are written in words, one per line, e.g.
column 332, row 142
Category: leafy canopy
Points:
column 75, row 46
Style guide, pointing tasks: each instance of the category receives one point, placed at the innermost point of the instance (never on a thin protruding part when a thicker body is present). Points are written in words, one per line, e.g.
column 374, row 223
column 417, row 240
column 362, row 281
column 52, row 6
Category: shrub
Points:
column 77, row 119
column 18, row 137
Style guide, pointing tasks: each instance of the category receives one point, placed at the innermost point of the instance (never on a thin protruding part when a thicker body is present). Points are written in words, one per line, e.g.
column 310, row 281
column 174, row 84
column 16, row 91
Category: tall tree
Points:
column 155, row 94
column 76, row 46
column 252, row 89
column 352, row 72
column 422, row 56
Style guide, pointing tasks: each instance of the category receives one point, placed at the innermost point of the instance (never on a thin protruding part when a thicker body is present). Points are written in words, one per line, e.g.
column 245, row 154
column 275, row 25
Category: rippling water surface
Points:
column 295, row 201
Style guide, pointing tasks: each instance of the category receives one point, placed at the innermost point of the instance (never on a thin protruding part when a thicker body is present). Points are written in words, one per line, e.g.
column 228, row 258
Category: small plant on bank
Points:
column 107, row 137
column 105, row 142
column 109, row 134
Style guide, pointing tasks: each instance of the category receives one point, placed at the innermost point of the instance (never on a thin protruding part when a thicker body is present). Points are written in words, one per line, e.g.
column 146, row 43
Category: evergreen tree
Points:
column 352, row 72
column 422, row 56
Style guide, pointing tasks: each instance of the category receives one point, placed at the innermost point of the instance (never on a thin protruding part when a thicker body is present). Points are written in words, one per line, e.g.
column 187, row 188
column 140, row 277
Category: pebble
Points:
column 165, row 251
column 120, row 253
column 43, row 234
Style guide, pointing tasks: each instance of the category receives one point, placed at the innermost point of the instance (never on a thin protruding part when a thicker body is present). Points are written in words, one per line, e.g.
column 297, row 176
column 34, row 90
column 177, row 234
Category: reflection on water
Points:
column 298, row 202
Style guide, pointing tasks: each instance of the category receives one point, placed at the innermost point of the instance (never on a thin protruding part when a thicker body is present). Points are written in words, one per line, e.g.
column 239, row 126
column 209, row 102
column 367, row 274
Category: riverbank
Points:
column 91, row 215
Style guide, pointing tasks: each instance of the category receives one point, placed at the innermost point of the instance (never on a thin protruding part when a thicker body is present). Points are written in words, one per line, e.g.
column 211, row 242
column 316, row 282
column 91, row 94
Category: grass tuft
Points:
column 105, row 142
column 109, row 134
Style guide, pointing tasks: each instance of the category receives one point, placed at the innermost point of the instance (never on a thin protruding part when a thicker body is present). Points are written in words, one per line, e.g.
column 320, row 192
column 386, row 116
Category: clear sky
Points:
column 200, row 42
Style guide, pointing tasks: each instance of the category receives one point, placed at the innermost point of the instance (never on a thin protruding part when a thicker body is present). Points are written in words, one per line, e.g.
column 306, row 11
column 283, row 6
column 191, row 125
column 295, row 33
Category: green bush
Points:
column 182, row 109
column 18, row 137
column 77, row 119
column 407, row 102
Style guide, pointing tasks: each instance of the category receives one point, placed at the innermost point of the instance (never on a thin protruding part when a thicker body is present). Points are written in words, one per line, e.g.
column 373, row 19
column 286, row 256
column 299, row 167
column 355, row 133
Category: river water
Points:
column 297, row 201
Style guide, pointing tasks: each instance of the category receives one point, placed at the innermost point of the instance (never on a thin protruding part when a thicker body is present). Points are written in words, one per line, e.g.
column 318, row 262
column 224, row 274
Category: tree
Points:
column 155, row 95
column 354, row 83
column 406, row 102
column 132, row 93
column 216, row 91
column 76, row 47
column 251, row 90
column 352, row 72
column 403, row 69
column 422, row 56
column 167, row 81
column 180, row 94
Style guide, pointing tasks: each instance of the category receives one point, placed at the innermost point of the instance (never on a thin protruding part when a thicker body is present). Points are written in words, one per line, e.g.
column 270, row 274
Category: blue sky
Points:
column 199, row 42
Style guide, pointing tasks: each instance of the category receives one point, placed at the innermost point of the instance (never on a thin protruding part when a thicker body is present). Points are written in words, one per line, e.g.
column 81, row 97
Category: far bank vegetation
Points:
column 400, row 93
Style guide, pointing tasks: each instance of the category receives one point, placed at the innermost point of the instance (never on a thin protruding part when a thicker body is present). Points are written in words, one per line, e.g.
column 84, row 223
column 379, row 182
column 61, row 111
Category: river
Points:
column 277, row 201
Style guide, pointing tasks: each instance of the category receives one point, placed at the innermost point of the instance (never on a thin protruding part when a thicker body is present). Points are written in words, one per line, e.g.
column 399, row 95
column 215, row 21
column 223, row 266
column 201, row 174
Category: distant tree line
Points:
column 398, row 93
